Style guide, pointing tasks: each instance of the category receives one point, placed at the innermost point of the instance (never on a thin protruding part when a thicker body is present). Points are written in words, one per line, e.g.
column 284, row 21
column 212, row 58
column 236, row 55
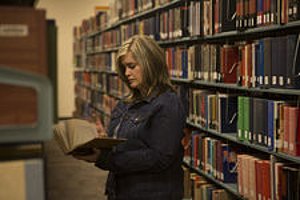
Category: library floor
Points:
column 71, row 179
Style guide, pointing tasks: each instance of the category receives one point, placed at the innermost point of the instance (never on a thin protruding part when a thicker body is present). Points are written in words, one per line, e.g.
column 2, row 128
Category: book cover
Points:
column 292, row 123
column 246, row 118
column 229, row 63
column 228, row 15
column 267, row 61
column 229, row 164
column 240, row 120
column 270, row 126
column 293, row 69
column 293, row 182
column 227, row 113
column 297, row 142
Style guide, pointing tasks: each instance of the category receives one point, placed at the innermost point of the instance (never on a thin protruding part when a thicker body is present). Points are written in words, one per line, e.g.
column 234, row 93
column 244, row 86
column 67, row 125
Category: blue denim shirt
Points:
column 148, row 165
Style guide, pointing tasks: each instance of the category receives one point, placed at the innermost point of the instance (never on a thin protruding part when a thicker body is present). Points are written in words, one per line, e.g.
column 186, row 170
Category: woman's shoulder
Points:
column 168, row 97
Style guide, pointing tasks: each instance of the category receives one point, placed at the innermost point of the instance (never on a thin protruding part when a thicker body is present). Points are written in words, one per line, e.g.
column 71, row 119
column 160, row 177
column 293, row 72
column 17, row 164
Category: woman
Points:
column 148, row 165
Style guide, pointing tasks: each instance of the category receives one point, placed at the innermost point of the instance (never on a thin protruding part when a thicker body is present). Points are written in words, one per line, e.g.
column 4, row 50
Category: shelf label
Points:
column 13, row 30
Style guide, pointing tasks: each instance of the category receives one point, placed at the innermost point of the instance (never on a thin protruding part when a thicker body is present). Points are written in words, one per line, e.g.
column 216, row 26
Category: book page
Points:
column 59, row 131
column 79, row 132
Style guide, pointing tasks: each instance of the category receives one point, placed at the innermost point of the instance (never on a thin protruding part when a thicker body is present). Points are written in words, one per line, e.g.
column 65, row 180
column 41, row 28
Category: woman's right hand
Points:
column 90, row 157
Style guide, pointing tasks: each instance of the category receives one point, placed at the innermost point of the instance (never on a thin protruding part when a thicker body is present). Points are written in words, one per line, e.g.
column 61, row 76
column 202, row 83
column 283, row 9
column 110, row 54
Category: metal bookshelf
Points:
column 281, row 91
column 232, row 137
column 230, row 187
column 140, row 15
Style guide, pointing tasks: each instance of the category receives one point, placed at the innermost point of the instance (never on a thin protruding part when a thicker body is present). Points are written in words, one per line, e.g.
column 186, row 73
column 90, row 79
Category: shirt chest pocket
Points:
column 137, row 120
column 142, row 120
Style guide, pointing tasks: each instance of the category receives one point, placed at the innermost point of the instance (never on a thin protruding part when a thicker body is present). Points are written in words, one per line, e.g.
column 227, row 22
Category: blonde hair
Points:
column 150, row 56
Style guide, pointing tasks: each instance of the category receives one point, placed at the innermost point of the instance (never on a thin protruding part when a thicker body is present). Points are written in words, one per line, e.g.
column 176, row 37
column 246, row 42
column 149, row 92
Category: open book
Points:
column 76, row 136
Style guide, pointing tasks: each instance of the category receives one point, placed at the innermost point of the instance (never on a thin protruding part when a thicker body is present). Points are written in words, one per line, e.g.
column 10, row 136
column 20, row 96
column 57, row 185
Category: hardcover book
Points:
column 77, row 136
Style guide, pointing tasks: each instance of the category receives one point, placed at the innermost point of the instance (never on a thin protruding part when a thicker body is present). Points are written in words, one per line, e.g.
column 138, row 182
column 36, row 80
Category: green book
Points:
column 240, row 124
column 246, row 114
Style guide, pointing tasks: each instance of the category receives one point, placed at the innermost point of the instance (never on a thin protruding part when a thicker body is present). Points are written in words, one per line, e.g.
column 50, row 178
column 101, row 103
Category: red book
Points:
column 266, row 177
column 229, row 63
column 297, row 140
column 217, row 16
column 195, row 150
column 242, row 64
column 249, row 64
column 284, row 11
column 279, row 182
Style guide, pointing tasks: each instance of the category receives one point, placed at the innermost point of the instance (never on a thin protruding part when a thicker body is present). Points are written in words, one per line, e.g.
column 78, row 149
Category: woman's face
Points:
column 133, row 71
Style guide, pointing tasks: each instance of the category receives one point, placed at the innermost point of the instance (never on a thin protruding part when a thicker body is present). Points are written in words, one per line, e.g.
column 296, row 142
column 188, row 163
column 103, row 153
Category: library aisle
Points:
column 68, row 178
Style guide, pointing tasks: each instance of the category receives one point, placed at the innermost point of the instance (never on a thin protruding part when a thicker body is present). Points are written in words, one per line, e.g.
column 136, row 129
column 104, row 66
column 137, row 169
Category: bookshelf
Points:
column 27, row 81
column 207, row 79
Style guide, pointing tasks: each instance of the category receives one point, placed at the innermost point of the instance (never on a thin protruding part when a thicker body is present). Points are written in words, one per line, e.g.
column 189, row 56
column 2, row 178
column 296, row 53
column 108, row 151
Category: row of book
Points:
column 107, row 40
column 92, row 24
column 215, row 111
column 255, row 179
column 253, row 174
column 271, row 62
column 198, row 188
column 93, row 112
column 213, row 157
column 271, row 123
column 109, row 15
column 92, row 94
column 102, row 62
column 101, row 82
column 201, row 18
column 122, row 9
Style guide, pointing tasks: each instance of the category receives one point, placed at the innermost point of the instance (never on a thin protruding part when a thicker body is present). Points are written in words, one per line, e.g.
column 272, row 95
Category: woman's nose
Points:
column 127, row 71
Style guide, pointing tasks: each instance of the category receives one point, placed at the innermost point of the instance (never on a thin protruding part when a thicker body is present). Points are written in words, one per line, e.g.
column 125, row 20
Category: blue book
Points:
column 227, row 113
column 260, row 64
column 229, row 165
column 293, row 62
column 184, row 63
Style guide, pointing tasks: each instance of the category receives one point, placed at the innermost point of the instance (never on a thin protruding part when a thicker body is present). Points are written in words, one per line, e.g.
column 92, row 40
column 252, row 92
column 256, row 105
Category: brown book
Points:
column 187, row 183
column 22, row 46
column 77, row 136
column 286, row 128
column 279, row 183
column 292, row 123
column 259, row 179
column 240, row 174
